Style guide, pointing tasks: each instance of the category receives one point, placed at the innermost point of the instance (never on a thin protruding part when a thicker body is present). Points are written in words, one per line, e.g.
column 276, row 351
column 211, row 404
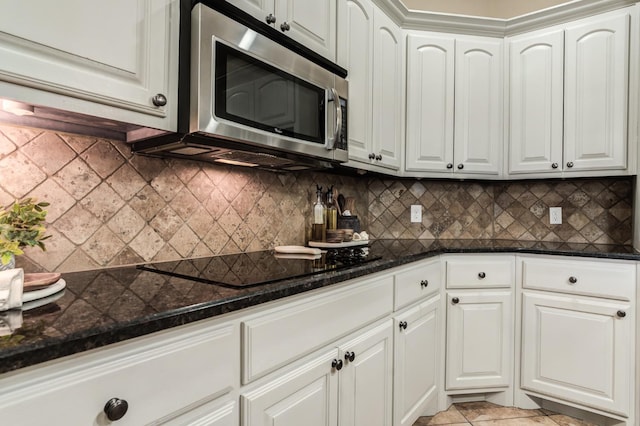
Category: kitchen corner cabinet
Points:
column 454, row 105
column 569, row 98
column 370, row 49
column 479, row 322
column 578, row 332
column 310, row 23
column 114, row 60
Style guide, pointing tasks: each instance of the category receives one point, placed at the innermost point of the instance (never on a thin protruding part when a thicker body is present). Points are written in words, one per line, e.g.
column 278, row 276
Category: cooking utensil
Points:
column 350, row 204
column 335, row 200
column 341, row 203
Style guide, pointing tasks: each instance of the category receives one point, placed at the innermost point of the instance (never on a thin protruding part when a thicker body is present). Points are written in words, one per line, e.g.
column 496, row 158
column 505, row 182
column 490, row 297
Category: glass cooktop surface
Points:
column 262, row 267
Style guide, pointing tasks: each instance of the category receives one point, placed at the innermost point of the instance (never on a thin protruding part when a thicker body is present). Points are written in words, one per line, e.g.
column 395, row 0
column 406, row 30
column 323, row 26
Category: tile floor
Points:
column 488, row 414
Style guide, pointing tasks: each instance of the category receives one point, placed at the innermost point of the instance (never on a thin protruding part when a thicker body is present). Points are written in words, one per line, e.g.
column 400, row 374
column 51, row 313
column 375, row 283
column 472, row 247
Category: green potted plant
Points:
column 21, row 225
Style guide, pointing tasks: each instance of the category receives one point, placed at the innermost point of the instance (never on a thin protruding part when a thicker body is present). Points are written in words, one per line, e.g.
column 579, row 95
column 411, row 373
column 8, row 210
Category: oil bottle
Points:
column 319, row 223
column 332, row 211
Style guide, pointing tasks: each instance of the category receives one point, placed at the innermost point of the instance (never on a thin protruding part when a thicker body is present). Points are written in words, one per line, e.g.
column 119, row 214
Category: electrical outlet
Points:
column 555, row 215
column 416, row 213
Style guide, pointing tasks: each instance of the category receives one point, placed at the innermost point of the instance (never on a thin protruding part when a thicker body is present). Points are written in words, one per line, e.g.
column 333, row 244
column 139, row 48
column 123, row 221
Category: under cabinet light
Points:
column 17, row 108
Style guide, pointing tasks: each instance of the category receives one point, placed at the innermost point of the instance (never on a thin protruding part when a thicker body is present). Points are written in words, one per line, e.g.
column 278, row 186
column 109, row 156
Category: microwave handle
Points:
column 336, row 99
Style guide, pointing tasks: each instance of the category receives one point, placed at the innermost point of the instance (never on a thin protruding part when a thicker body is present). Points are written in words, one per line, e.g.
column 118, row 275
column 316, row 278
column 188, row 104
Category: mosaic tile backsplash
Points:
column 594, row 210
column 111, row 208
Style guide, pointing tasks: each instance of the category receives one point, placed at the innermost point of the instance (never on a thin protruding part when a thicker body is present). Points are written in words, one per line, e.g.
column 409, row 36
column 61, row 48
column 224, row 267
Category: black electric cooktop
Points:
column 262, row 267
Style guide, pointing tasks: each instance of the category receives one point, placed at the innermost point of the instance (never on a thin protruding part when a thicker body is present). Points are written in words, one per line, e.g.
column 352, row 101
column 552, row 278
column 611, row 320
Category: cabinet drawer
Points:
column 480, row 271
column 583, row 277
column 157, row 376
column 417, row 282
column 281, row 335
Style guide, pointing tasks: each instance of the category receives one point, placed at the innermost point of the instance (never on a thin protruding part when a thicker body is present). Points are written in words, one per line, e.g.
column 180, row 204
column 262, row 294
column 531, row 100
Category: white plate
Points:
column 321, row 244
column 39, row 294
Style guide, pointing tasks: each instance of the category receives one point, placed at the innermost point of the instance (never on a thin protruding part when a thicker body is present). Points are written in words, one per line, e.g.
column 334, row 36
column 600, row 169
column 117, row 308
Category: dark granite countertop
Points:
column 105, row 306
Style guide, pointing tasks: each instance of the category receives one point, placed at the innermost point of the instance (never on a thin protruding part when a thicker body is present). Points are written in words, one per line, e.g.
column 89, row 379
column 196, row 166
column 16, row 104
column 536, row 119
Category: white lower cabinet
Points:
column 416, row 361
column 347, row 385
column 479, row 339
column 309, row 392
column 578, row 332
column 161, row 378
column 576, row 348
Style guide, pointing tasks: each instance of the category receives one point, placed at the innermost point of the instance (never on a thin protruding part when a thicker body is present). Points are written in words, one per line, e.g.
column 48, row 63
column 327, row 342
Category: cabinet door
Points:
column 220, row 412
column 578, row 349
column 430, row 75
column 311, row 23
column 478, row 109
column 479, row 339
column 416, row 361
column 309, row 392
column 536, row 94
column 596, row 89
column 119, row 53
column 259, row 9
column 366, row 378
column 355, row 53
column 387, row 91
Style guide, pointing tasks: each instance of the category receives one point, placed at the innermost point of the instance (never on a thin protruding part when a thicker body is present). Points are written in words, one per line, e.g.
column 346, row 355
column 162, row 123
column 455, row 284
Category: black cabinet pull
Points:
column 159, row 100
column 116, row 408
column 621, row 314
column 455, row 300
column 270, row 19
column 573, row 280
column 449, row 165
column 403, row 325
column 349, row 356
column 554, row 165
column 379, row 157
column 372, row 156
column 285, row 27
column 337, row 364
column 482, row 275
column 570, row 164
column 424, row 283
column 460, row 166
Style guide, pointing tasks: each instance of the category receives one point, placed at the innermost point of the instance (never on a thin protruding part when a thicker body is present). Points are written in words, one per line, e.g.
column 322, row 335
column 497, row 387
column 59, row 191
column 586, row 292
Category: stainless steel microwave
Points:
column 254, row 101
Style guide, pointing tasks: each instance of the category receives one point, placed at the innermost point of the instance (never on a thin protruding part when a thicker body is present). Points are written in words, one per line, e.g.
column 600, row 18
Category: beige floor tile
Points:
column 568, row 421
column 483, row 411
column 449, row 417
column 521, row 421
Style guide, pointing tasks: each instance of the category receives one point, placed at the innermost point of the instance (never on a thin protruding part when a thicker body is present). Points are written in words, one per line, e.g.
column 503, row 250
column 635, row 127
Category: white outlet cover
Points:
column 555, row 215
column 416, row 213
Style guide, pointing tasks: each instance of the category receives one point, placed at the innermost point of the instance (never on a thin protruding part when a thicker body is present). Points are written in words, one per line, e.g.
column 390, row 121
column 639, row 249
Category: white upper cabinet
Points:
column 479, row 112
column 311, row 23
column 430, row 108
column 536, row 99
column 387, row 91
column 108, row 59
column 570, row 99
column 370, row 48
column 597, row 63
column 454, row 104
column 355, row 53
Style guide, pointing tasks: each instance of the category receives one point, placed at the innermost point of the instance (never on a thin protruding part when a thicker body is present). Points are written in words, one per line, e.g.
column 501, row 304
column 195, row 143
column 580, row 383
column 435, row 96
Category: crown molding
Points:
column 496, row 27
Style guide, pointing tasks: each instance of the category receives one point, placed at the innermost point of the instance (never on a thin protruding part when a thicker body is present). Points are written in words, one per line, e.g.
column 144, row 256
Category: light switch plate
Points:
column 555, row 215
column 416, row 213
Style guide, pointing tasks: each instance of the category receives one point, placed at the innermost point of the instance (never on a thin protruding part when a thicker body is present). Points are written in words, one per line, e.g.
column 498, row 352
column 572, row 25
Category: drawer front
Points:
column 279, row 336
column 417, row 282
column 156, row 378
column 582, row 277
column 480, row 271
